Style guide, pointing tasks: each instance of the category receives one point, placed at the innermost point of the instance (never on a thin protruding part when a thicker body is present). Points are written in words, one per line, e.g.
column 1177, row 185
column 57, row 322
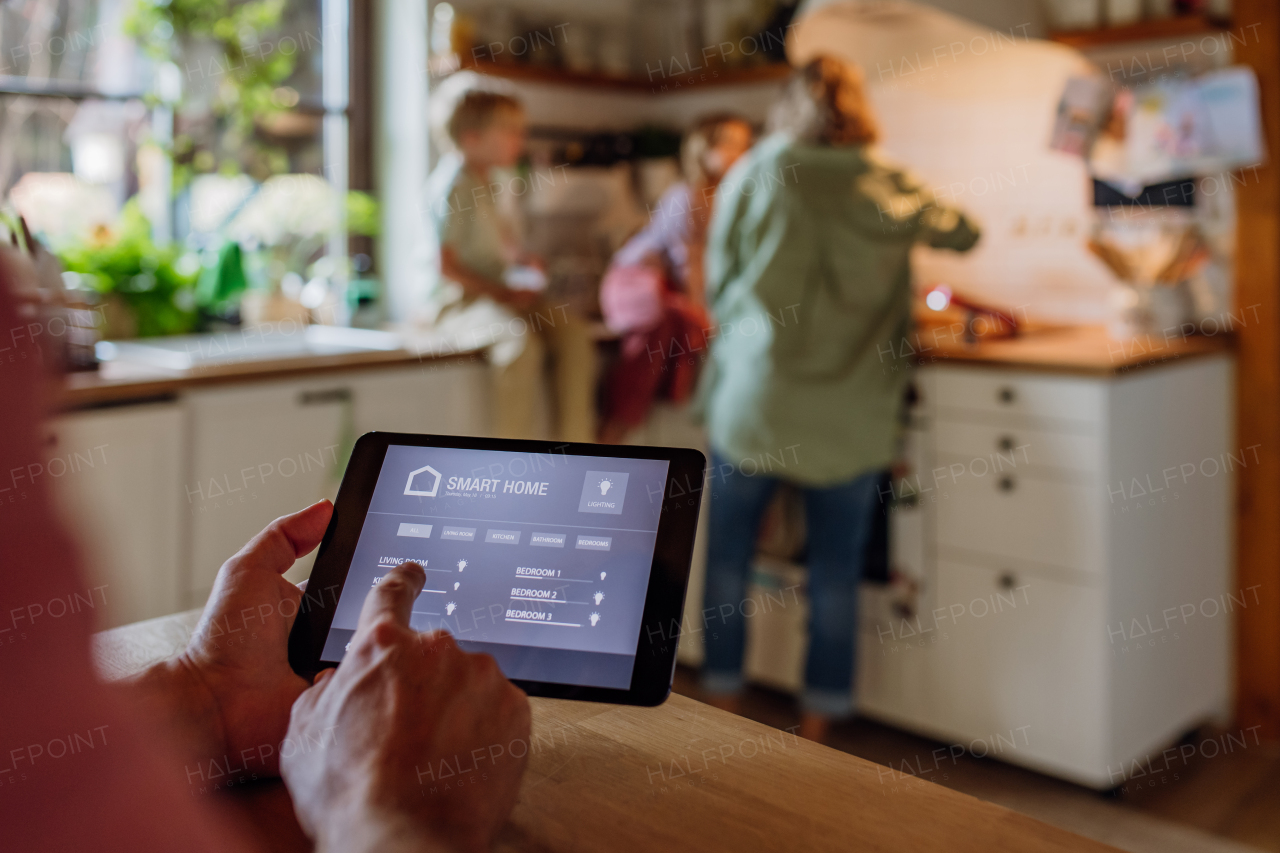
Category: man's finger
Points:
column 393, row 596
column 285, row 540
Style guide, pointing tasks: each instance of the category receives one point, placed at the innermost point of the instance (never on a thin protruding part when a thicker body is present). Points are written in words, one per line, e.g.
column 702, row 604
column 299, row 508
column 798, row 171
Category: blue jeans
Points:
column 839, row 522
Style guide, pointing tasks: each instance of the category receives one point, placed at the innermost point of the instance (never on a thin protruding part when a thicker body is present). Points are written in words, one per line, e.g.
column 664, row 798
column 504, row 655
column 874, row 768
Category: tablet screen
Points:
column 541, row 560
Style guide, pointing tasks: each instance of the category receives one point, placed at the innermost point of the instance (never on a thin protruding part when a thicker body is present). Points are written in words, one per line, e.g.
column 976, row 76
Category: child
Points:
column 490, row 289
column 672, row 323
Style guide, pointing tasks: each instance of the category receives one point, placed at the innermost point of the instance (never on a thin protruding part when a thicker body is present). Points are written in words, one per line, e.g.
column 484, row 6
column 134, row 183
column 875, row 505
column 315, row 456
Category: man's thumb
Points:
column 393, row 595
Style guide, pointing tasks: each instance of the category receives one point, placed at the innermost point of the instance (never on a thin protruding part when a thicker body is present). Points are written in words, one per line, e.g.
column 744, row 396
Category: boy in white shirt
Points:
column 486, row 287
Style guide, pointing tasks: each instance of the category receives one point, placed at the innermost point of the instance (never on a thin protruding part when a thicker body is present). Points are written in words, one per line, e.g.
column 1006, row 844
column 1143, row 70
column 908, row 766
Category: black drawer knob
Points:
column 1006, row 442
column 1007, row 580
column 1007, row 484
column 1006, row 395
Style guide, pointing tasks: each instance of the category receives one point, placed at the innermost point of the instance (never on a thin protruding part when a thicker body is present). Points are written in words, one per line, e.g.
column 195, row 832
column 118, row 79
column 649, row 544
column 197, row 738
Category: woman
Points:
column 808, row 276
column 653, row 293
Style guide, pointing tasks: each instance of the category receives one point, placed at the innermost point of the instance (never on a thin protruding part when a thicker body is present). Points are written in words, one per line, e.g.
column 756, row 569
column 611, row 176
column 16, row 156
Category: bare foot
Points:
column 725, row 702
column 814, row 727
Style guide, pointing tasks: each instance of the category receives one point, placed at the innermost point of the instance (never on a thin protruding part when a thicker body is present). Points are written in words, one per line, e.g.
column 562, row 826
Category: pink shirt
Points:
column 79, row 770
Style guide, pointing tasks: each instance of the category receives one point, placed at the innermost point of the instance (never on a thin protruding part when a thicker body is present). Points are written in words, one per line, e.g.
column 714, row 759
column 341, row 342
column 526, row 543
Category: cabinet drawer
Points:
column 1021, row 658
column 1011, row 448
column 260, row 452
column 989, row 393
column 1025, row 518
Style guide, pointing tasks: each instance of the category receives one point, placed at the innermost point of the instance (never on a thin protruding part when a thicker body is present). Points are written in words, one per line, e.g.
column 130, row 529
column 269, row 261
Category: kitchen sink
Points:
column 275, row 343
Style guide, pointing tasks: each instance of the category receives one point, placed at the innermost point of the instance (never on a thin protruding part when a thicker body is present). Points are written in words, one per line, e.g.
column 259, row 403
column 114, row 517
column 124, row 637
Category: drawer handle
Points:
column 1006, row 395
column 1006, row 442
column 1007, row 580
column 318, row 398
column 1007, row 484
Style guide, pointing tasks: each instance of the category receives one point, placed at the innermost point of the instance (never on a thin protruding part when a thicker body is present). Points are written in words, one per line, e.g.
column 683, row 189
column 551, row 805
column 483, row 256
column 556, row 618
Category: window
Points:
column 202, row 121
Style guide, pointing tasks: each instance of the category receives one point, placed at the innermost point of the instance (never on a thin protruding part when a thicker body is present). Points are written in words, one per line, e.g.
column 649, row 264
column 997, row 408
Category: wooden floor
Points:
column 1227, row 803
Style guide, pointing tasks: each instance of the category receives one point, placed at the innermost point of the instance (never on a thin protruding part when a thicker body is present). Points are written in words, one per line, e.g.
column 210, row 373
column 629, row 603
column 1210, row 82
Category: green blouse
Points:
column 809, row 280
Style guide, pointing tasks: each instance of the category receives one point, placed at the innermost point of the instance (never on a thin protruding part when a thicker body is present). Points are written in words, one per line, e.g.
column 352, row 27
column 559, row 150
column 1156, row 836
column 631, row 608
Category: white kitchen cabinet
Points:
column 262, row 450
column 445, row 398
column 259, row 451
column 1055, row 578
column 117, row 478
column 1021, row 516
column 1023, row 657
column 1067, row 601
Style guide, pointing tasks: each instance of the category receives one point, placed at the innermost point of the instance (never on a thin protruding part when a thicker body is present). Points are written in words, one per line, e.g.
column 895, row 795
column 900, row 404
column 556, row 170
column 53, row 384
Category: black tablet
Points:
column 566, row 562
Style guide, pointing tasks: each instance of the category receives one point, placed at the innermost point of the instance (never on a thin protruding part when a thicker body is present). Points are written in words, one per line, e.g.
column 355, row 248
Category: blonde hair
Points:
column 825, row 103
column 475, row 110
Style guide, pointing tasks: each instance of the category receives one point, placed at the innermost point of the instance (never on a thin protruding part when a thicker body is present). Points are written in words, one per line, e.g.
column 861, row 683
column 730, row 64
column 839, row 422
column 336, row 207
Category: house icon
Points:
column 427, row 493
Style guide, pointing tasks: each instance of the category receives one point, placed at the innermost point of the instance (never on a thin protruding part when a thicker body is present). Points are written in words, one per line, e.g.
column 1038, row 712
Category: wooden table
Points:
column 683, row 776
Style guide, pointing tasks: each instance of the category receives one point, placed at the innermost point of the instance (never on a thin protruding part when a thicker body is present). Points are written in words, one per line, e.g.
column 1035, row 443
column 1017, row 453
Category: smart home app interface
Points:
column 541, row 560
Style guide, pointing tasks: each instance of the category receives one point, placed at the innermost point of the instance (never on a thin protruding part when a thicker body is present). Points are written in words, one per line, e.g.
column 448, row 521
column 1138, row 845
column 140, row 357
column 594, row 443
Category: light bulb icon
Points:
column 602, row 574
column 595, row 617
column 605, row 485
column 599, row 597
column 449, row 608
column 462, row 564
column 457, row 584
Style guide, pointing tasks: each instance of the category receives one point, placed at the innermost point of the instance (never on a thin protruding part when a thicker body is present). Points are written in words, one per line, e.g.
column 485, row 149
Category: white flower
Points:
column 285, row 208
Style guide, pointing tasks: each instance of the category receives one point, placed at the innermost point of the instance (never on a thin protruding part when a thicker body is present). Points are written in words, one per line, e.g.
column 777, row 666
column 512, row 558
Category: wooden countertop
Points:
column 1079, row 349
column 683, row 776
column 1074, row 349
column 118, row 382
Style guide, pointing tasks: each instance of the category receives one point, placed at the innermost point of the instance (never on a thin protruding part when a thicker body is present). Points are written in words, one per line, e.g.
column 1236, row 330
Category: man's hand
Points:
column 229, row 693
column 374, row 734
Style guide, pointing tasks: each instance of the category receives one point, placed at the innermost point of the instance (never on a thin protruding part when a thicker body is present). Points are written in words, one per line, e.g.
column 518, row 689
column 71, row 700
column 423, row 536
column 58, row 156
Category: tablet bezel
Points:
column 656, row 645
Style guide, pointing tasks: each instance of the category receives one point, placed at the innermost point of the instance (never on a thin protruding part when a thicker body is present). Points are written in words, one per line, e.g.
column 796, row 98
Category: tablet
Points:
column 566, row 562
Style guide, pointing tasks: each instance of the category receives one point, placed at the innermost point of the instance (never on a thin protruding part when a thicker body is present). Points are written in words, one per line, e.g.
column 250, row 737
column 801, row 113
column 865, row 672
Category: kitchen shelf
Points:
column 674, row 83
column 1149, row 30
